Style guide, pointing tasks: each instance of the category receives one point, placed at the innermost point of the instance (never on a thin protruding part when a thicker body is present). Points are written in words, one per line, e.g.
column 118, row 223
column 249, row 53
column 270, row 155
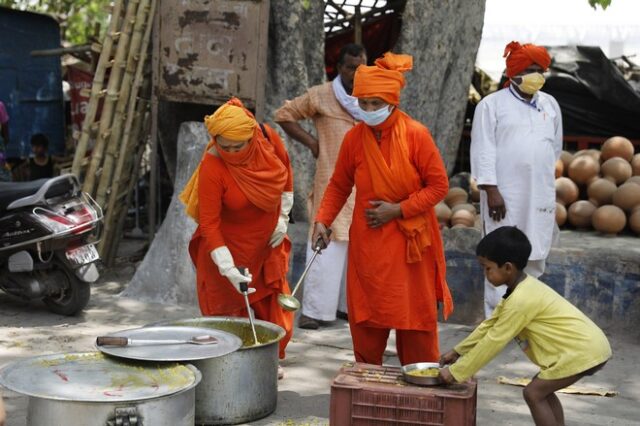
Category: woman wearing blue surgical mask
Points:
column 396, row 268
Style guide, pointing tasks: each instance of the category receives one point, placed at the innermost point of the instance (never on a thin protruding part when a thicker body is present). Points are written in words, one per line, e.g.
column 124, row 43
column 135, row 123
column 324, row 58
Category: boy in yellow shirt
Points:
column 554, row 334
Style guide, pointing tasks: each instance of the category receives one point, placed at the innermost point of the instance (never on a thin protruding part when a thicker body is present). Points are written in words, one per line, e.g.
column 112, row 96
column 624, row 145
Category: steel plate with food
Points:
column 422, row 373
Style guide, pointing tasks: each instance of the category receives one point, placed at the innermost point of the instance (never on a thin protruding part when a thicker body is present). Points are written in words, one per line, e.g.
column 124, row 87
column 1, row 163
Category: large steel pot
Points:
column 243, row 385
column 89, row 389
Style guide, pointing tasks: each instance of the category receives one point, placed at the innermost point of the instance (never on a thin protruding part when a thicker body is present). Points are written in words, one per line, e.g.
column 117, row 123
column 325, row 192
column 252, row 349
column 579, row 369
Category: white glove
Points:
column 223, row 259
column 283, row 221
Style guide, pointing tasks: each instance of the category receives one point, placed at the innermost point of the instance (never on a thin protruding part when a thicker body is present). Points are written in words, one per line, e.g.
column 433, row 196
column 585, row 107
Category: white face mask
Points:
column 373, row 118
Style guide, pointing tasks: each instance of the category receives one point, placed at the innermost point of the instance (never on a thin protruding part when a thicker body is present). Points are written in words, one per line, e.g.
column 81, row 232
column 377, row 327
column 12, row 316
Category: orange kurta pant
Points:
column 384, row 291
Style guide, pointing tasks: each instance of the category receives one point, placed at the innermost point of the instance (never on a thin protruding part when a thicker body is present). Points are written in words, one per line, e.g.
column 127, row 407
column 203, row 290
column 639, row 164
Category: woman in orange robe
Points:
column 396, row 268
column 240, row 196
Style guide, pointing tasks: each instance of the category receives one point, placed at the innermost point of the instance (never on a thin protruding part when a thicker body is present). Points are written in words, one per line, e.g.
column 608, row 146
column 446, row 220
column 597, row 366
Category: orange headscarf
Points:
column 256, row 169
column 384, row 80
column 520, row 57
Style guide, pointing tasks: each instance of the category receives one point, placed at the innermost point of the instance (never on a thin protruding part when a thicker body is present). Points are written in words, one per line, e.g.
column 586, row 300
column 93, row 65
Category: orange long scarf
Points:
column 258, row 171
column 395, row 182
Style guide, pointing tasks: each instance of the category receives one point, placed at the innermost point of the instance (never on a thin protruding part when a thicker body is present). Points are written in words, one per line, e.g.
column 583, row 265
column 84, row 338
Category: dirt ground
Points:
column 314, row 357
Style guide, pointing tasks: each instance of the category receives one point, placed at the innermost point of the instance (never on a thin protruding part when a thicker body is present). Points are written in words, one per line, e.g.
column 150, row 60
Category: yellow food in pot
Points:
column 426, row 372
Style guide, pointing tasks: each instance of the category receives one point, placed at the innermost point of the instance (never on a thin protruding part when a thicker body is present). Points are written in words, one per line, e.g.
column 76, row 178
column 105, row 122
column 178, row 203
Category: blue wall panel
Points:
column 31, row 87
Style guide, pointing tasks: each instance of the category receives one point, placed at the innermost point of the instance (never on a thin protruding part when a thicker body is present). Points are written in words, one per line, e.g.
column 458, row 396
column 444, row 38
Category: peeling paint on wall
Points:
column 210, row 50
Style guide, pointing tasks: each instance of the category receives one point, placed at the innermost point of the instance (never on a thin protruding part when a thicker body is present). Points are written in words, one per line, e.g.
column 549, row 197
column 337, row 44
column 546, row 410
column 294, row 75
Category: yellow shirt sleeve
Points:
column 476, row 335
column 488, row 340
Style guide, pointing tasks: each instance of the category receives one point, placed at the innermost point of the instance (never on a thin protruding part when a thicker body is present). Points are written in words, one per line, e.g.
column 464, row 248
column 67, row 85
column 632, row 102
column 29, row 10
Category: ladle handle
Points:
column 320, row 244
column 112, row 341
column 244, row 285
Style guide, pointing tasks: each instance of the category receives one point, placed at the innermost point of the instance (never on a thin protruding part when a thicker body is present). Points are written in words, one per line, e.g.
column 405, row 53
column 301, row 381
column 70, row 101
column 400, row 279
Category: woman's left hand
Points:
column 382, row 213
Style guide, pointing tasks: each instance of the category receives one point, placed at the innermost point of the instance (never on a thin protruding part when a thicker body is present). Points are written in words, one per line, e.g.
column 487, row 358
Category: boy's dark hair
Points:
column 350, row 49
column 39, row 139
column 505, row 244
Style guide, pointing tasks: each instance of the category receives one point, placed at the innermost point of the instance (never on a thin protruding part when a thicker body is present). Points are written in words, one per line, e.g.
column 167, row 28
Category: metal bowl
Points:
column 421, row 380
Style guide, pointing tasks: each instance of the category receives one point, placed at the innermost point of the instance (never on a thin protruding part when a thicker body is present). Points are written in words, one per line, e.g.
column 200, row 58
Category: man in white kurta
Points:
column 516, row 139
column 334, row 112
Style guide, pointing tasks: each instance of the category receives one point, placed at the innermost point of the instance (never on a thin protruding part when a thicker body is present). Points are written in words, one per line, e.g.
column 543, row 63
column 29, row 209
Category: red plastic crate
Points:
column 373, row 395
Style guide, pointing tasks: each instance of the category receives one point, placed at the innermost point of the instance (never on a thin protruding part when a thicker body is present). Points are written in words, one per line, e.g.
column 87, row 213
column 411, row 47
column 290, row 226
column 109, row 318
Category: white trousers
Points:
column 325, row 284
column 493, row 295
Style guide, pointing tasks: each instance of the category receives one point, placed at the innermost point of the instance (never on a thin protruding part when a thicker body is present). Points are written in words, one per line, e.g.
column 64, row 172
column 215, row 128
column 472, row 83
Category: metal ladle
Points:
column 244, row 288
column 287, row 301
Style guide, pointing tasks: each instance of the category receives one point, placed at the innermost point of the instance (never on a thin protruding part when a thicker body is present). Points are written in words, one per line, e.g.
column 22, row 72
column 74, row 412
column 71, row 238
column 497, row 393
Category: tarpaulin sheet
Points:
column 594, row 97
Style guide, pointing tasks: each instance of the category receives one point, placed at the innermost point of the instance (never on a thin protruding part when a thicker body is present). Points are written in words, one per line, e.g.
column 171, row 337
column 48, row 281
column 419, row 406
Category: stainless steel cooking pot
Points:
column 243, row 385
column 89, row 389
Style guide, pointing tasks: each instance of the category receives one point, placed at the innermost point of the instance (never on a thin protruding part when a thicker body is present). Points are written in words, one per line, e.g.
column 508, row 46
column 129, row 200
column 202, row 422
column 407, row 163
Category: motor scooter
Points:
column 48, row 232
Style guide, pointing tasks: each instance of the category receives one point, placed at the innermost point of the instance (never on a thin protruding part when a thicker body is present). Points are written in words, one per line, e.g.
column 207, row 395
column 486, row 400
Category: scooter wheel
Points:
column 73, row 295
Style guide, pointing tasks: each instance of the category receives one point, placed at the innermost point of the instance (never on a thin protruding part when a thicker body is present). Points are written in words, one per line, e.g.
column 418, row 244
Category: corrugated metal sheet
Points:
column 31, row 87
column 210, row 50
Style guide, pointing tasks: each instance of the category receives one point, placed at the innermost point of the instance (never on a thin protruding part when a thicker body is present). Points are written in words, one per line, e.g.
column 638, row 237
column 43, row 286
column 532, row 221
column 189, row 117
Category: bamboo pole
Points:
column 136, row 108
column 128, row 95
column 113, row 89
column 96, row 88
column 140, row 127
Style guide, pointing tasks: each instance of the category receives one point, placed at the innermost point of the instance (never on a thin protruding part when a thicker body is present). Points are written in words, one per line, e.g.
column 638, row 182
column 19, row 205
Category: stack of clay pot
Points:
column 456, row 211
column 600, row 189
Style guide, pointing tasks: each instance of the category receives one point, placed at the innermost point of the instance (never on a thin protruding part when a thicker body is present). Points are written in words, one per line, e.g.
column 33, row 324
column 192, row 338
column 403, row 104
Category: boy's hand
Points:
column 449, row 358
column 446, row 376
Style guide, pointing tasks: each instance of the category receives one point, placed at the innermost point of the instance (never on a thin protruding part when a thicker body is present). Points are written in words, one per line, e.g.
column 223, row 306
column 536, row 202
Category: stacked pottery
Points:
column 456, row 211
column 600, row 189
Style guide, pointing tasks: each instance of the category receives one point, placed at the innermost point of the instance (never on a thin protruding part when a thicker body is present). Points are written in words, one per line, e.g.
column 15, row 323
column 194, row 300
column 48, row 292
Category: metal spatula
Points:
column 125, row 341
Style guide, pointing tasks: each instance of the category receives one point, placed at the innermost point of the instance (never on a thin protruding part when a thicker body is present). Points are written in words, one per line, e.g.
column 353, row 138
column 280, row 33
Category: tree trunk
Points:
column 443, row 38
column 295, row 63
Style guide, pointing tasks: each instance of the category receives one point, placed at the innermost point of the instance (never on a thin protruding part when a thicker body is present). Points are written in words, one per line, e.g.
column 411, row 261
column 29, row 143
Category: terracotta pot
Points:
column 561, row 214
column 634, row 179
column 601, row 191
column 634, row 221
column 616, row 170
column 566, row 191
column 443, row 213
column 456, row 196
column 609, row 219
column 616, row 146
column 580, row 213
column 475, row 191
column 583, row 168
column 593, row 153
column 635, row 165
column 464, row 206
column 463, row 217
column 627, row 196
column 559, row 168
column 566, row 158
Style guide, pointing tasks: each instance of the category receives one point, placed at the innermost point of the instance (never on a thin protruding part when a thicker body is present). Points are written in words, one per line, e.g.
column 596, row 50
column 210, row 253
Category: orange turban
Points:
column 231, row 121
column 520, row 57
column 384, row 80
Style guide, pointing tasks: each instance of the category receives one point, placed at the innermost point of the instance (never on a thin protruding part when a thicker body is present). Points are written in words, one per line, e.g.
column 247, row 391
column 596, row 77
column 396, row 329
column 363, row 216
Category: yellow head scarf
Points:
column 231, row 121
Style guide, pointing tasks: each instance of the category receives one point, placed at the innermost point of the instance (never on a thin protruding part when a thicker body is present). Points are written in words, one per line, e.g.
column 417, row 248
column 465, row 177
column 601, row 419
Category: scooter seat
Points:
column 11, row 191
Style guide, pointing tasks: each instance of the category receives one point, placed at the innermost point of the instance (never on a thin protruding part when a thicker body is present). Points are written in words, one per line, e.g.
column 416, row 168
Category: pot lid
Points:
column 92, row 377
column 223, row 343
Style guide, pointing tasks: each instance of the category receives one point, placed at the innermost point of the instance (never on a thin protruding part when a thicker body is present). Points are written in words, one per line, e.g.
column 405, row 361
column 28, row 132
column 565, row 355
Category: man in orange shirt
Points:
column 334, row 112
column 396, row 271
column 241, row 195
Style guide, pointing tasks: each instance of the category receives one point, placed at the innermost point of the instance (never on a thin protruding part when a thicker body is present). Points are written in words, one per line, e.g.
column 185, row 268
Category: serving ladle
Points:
column 288, row 302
